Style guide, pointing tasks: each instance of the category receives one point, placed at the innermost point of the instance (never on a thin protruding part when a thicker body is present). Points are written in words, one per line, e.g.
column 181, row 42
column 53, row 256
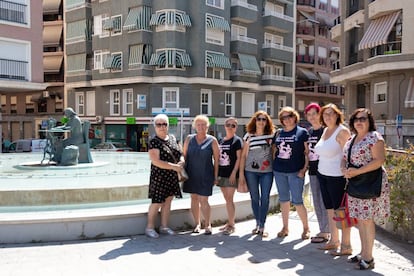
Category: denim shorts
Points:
column 289, row 187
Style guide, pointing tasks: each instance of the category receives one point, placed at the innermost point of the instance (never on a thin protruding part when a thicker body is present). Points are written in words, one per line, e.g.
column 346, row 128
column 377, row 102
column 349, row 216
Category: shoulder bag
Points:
column 182, row 175
column 367, row 185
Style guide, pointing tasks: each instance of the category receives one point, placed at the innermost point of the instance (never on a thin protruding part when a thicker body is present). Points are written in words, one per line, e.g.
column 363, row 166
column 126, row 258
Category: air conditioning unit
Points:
column 99, row 119
column 45, row 94
column 299, row 41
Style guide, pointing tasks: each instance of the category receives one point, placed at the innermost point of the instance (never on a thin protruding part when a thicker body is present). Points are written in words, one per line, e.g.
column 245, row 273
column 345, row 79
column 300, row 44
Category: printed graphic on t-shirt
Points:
column 224, row 158
column 313, row 156
column 285, row 151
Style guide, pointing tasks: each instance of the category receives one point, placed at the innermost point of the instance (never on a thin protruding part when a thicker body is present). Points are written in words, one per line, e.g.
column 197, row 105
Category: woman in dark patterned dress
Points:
column 166, row 161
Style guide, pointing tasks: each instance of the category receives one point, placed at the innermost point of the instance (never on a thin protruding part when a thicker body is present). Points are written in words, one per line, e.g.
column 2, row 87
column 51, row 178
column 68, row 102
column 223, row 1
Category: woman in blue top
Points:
column 256, row 166
column 199, row 152
column 289, row 166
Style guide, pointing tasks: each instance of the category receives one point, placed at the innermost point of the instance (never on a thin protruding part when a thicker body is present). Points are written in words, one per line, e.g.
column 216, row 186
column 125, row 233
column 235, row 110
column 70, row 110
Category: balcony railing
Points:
column 277, row 78
column 306, row 2
column 13, row 69
column 305, row 59
column 243, row 3
column 13, row 12
column 306, row 30
column 278, row 15
column 244, row 39
column 391, row 48
column 277, row 46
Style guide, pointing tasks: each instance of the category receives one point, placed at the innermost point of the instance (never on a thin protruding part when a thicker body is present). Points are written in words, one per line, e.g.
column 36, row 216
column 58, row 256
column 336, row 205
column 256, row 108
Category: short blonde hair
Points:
column 201, row 118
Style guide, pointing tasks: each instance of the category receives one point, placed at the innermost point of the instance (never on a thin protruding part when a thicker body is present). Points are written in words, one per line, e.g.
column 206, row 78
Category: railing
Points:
column 13, row 69
column 277, row 78
column 306, row 2
column 305, row 59
column 277, row 46
column 391, row 48
column 13, row 12
column 306, row 30
column 243, row 3
column 243, row 73
column 278, row 15
column 354, row 8
column 244, row 39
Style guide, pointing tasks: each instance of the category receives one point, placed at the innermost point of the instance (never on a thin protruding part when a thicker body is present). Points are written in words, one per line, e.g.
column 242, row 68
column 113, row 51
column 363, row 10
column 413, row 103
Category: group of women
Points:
column 284, row 155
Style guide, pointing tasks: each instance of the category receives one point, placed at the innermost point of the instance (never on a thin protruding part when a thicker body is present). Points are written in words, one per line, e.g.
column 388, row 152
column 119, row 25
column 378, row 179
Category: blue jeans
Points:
column 259, row 197
column 289, row 187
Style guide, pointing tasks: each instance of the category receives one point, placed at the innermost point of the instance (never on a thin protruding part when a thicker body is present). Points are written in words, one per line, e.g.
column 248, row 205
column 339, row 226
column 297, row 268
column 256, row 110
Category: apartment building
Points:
column 126, row 61
column 316, row 54
column 377, row 64
column 21, row 66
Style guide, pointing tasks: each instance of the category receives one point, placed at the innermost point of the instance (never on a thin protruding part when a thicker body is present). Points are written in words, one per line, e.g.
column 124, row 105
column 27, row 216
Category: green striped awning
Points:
column 138, row 19
column 171, row 58
column 218, row 61
column 249, row 63
column 76, row 62
column 74, row 3
column 135, row 54
column 113, row 62
column 214, row 22
column 170, row 18
column 108, row 25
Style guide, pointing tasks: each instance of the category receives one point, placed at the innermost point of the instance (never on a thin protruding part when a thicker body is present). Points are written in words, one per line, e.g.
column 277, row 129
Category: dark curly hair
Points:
column 372, row 126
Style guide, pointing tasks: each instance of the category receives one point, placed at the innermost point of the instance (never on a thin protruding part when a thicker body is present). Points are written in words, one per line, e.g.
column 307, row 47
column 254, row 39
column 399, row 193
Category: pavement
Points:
column 198, row 254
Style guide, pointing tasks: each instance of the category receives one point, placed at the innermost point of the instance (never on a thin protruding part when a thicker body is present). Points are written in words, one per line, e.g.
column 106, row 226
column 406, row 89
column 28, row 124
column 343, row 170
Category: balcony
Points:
column 277, row 22
column 305, row 59
column 243, row 44
column 277, row 80
column 277, row 52
column 243, row 11
column 306, row 30
column 306, row 3
column 391, row 48
column 13, row 69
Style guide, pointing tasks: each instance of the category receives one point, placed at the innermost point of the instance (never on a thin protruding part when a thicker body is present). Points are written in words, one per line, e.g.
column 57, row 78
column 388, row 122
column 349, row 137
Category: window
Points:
column 90, row 103
column 139, row 54
column 13, row 104
column 170, row 20
column 114, row 98
column 238, row 31
column 205, row 102
column 128, row 100
column 171, row 59
column 281, row 102
column 272, row 8
column 229, row 104
column 58, row 104
column 76, row 31
column 380, row 92
column 270, row 101
column 14, row 12
column 271, row 39
column 99, row 59
column 116, row 25
column 80, row 103
column 98, row 25
column 215, row 3
column 273, row 70
column 29, row 104
column 247, row 104
column 215, row 27
column 170, row 96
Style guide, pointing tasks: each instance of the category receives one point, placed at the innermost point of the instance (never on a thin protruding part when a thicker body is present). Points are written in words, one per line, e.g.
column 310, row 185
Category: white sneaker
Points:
column 167, row 231
column 150, row 232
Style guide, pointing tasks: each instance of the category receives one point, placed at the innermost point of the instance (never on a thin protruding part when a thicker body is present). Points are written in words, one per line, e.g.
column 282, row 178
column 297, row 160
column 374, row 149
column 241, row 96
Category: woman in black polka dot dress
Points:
column 166, row 161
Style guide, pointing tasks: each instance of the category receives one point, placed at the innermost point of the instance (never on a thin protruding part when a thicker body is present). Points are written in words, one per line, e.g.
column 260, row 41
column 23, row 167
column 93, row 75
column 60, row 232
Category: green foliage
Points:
column 400, row 168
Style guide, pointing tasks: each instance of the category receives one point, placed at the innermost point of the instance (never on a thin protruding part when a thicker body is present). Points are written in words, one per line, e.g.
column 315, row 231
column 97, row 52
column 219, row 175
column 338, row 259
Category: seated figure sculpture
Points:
column 75, row 139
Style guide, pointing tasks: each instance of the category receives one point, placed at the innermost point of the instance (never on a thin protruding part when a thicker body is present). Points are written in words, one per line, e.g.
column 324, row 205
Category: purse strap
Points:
column 349, row 151
column 167, row 149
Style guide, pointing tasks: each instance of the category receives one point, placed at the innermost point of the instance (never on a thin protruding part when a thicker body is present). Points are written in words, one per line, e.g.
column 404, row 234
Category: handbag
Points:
column 242, row 188
column 341, row 215
column 367, row 185
column 182, row 175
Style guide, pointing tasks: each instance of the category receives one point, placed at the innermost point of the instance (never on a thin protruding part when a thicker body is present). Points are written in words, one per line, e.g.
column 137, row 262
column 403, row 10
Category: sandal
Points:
column 262, row 233
column 330, row 246
column 283, row 233
column 229, row 230
column 346, row 250
column 306, row 234
column 197, row 229
column 364, row 265
column 208, row 230
column 318, row 239
column 255, row 231
column 355, row 259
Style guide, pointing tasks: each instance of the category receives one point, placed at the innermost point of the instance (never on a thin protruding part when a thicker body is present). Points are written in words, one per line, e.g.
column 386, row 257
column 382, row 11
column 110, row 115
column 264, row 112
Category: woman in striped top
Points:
column 256, row 166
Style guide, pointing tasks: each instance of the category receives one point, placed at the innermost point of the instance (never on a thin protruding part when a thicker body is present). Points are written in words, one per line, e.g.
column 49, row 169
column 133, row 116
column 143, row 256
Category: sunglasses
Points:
column 161, row 125
column 231, row 125
column 261, row 119
column 286, row 117
column 360, row 119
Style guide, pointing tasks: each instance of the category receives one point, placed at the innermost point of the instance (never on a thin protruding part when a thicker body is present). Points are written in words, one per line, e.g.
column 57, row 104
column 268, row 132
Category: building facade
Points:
column 126, row 61
column 377, row 64
column 21, row 67
column 316, row 54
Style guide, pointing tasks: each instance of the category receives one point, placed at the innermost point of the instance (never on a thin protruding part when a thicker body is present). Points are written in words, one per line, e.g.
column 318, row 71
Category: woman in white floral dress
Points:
column 367, row 153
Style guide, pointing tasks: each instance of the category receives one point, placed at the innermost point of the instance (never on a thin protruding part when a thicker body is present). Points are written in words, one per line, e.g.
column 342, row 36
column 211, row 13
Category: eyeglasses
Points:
column 360, row 119
column 261, row 119
column 286, row 117
column 231, row 125
column 161, row 125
